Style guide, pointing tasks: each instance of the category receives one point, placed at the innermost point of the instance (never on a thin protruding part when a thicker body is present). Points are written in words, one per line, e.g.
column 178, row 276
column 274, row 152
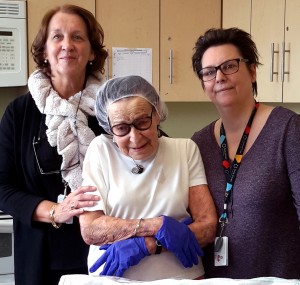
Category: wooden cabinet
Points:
column 164, row 26
column 267, row 29
column 237, row 13
column 130, row 24
column 181, row 23
column 36, row 9
column 292, row 56
column 273, row 25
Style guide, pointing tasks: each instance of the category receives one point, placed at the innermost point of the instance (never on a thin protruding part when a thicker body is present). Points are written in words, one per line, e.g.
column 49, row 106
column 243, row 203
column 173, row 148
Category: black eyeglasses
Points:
column 141, row 124
column 37, row 143
column 228, row 67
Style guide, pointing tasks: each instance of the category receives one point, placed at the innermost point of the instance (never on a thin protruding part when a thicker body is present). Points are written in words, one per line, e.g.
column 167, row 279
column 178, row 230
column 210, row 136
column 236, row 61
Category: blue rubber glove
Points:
column 187, row 221
column 179, row 239
column 120, row 255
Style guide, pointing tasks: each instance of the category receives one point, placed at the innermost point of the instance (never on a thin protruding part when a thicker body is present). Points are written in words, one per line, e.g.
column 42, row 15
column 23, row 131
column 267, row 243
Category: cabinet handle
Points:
column 171, row 67
column 107, row 65
column 272, row 62
column 283, row 72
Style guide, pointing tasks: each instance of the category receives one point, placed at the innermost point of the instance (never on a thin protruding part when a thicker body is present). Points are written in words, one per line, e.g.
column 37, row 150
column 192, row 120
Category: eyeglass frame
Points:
column 71, row 167
column 219, row 67
column 133, row 124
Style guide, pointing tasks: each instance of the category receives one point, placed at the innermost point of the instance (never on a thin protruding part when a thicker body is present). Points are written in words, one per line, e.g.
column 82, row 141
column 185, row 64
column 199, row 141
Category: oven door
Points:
column 6, row 250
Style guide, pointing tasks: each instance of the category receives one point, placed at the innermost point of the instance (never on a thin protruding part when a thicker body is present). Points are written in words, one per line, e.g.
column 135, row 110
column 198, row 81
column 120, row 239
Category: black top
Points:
column 38, row 246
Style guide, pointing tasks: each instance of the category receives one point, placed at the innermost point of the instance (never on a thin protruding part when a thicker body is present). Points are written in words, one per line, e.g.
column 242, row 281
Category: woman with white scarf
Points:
column 44, row 136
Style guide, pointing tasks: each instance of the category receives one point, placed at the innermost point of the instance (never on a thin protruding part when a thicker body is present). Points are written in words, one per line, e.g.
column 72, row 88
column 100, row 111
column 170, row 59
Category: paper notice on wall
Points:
column 132, row 61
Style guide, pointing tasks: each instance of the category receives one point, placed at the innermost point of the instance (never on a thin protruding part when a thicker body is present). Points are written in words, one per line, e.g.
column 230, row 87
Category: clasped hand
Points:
column 173, row 235
column 179, row 239
column 121, row 255
column 74, row 203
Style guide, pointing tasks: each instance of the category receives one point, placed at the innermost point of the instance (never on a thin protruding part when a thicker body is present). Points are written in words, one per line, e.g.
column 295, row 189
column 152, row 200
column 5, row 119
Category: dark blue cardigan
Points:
column 38, row 246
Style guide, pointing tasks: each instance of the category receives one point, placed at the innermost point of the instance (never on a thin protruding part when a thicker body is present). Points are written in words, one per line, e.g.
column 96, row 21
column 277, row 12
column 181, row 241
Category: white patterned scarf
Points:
column 67, row 121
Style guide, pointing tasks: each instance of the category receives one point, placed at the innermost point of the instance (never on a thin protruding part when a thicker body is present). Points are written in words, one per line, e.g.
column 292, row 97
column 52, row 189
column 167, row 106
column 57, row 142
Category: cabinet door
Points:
column 36, row 9
column 292, row 57
column 267, row 28
column 130, row 24
column 237, row 13
column 181, row 23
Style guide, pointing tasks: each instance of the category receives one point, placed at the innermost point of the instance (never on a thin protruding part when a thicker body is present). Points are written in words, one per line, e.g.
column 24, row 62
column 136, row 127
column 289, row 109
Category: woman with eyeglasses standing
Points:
column 155, row 205
column 43, row 140
column 251, row 156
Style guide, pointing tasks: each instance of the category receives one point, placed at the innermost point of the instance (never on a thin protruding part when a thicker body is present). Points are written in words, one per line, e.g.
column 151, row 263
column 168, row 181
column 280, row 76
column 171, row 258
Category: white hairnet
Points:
column 123, row 87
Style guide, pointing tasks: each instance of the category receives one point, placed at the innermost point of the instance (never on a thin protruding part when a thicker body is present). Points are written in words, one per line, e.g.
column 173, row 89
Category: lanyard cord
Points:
column 231, row 170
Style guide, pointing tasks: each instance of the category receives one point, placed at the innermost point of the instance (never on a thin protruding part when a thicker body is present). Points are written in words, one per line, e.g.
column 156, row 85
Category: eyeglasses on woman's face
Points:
column 141, row 124
column 228, row 67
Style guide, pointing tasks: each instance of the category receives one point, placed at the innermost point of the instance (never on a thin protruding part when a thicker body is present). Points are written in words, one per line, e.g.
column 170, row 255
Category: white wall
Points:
column 186, row 118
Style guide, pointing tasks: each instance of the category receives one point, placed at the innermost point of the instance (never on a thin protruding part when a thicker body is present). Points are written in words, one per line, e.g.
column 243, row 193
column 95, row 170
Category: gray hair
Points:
column 124, row 87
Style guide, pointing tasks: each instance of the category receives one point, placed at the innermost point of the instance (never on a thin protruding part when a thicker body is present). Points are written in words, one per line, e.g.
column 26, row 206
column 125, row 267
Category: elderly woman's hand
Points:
column 121, row 255
column 179, row 239
column 74, row 203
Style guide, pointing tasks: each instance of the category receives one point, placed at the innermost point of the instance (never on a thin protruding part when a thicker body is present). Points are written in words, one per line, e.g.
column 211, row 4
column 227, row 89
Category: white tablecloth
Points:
column 105, row 280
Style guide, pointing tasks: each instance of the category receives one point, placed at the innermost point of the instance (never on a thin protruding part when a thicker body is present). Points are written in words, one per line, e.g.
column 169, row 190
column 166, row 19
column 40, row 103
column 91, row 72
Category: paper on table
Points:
column 132, row 61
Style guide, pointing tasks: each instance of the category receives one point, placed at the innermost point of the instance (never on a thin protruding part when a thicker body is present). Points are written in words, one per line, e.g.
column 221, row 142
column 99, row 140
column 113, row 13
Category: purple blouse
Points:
column 264, row 213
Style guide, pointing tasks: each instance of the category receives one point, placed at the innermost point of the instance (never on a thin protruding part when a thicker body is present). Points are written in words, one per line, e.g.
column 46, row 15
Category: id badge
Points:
column 221, row 251
column 60, row 198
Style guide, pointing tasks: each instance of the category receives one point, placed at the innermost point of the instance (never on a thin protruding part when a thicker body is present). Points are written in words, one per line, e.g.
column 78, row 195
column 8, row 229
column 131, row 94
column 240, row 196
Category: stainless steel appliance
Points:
column 6, row 250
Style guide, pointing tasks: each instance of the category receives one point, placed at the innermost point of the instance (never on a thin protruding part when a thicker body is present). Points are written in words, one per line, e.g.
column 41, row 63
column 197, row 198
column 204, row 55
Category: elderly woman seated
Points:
column 156, row 209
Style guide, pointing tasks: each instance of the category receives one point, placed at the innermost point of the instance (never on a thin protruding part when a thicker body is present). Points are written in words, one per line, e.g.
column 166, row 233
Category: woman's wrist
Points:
column 137, row 227
column 150, row 244
column 158, row 247
column 153, row 246
column 146, row 227
column 51, row 216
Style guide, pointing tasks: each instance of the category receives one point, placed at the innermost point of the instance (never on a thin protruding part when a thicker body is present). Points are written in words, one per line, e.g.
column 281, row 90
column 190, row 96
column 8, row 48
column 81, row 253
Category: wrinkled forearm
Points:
column 204, row 214
column 205, row 232
column 106, row 229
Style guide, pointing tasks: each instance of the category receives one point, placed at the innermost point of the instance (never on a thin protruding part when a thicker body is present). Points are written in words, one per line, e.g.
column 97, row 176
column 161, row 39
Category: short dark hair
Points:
column 216, row 37
column 95, row 35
